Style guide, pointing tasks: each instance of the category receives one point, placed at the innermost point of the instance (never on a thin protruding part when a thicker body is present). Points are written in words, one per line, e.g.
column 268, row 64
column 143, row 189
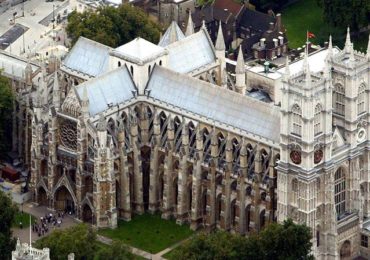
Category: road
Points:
column 38, row 35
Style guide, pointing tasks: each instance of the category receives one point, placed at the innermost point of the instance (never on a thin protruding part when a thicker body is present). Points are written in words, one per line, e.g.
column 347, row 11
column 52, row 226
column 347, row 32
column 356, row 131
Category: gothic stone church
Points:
column 108, row 133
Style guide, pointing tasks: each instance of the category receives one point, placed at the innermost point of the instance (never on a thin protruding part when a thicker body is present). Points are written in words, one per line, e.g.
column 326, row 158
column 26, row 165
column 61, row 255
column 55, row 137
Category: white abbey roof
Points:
column 140, row 50
column 215, row 103
column 88, row 57
column 172, row 34
column 192, row 52
column 13, row 66
column 109, row 90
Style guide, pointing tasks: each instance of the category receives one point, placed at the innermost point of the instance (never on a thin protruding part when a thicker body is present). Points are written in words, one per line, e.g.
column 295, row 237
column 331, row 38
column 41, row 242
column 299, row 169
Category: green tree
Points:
column 343, row 13
column 79, row 239
column 6, row 105
column 286, row 241
column 7, row 214
column 112, row 26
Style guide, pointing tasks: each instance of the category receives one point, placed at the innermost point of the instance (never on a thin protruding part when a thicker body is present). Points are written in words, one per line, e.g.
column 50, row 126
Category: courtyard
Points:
column 306, row 15
column 148, row 232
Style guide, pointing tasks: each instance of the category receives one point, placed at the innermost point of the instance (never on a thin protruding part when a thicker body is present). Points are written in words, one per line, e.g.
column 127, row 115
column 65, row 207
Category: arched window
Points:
column 132, row 70
column 361, row 99
column 149, row 68
column 317, row 120
column 340, row 192
column 160, row 63
column 297, row 120
column 119, row 64
column 339, row 99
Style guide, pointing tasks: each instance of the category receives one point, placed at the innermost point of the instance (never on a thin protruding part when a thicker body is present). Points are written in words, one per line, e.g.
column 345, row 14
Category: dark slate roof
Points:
column 200, row 14
column 257, row 20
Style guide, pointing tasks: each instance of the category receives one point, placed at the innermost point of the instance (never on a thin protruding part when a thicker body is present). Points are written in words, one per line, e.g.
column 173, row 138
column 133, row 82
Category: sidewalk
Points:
column 39, row 211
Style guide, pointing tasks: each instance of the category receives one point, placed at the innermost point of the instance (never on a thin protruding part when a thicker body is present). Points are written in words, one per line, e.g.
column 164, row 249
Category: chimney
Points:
column 275, row 42
column 262, row 42
column 281, row 40
column 278, row 22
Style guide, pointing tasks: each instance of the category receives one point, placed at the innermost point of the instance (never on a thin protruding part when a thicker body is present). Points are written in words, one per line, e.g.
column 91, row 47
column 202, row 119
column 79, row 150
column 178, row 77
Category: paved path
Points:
column 142, row 253
column 39, row 211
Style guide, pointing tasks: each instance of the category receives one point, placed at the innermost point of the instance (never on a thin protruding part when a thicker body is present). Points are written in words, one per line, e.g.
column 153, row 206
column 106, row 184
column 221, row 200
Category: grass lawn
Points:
column 148, row 232
column 101, row 246
column 24, row 218
column 307, row 15
column 170, row 255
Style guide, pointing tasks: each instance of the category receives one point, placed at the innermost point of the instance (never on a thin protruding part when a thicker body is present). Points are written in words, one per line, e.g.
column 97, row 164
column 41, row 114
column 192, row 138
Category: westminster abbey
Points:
column 112, row 132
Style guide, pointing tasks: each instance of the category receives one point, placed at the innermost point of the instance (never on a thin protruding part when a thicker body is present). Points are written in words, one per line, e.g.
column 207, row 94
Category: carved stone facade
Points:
column 148, row 128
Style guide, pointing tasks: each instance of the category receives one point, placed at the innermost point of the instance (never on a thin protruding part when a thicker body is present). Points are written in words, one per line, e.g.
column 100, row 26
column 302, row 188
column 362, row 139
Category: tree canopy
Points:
column 7, row 214
column 286, row 241
column 112, row 26
column 82, row 241
column 6, row 106
column 343, row 13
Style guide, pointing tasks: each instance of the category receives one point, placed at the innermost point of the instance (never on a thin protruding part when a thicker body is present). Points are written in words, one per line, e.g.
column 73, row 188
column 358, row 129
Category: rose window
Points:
column 318, row 156
column 68, row 135
column 295, row 156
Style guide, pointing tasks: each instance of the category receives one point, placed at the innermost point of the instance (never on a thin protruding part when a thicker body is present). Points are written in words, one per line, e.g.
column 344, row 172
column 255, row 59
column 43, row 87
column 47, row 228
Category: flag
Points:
column 310, row 35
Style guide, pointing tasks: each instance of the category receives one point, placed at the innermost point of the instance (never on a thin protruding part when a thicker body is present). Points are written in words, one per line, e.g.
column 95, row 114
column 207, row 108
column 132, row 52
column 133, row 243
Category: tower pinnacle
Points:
column 190, row 26
column 220, row 42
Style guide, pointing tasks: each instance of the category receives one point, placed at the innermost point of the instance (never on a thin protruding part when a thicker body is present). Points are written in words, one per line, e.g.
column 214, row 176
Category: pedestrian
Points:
column 20, row 225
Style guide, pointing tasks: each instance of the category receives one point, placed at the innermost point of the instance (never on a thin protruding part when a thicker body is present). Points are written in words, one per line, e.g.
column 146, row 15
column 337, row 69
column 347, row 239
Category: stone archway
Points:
column 218, row 208
column 233, row 213
column 345, row 250
column 87, row 215
column 145, row 164
column 44, row 168
column 42, row 198
column 64, row 200
column 247, row 217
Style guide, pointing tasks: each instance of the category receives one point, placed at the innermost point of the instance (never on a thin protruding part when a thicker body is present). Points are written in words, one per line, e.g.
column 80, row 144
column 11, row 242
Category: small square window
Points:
column 364, row 241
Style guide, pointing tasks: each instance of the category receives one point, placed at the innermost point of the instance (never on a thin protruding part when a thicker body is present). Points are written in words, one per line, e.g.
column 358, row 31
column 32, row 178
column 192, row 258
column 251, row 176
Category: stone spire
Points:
column 28, row 73
column 330, row 49
column 85, row 102
column 220, row 42
column 240, row 73
column 240, row 62
column 368, row 49
column 190, row 26
column 287, row 70
column 173, row 35
column 102, row 131
column 348, row 45
column 56, row 91
column 352, row 56
column 306, row 69
column 204, row 25
column 102, row 124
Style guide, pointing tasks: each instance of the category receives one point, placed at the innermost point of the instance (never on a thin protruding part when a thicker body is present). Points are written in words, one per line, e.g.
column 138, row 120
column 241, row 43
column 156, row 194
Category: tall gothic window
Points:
column 294, row 192
column 339, row 100
column 297, row 120
column 317, row 120
column 340, row 192
column 361, row 99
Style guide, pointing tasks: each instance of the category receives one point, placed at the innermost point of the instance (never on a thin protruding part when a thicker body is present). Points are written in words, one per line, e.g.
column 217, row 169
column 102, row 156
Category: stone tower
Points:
column 306, row 130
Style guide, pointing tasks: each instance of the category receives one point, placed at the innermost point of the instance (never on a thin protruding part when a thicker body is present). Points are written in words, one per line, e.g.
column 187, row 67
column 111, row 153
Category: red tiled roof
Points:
column 230, row 5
